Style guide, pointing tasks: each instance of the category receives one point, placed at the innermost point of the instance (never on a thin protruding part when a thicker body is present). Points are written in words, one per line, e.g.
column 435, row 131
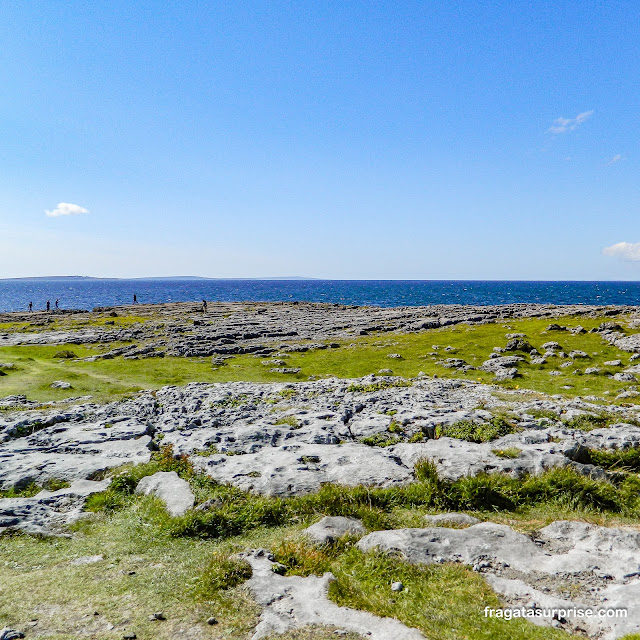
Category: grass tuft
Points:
column 477, row 432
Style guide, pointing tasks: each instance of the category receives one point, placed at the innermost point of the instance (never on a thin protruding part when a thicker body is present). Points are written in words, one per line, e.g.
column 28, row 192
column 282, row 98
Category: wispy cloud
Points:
column 562, row 125
column 66, row 209
column 615, row 159
column 629, row 251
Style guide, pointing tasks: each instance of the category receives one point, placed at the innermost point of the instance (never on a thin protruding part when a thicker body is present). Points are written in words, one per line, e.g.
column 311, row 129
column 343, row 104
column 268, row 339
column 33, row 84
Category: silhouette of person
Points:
column 204, row 306
column 48, row 305
column 135, row 299
column 31, row 306
column 57, row 301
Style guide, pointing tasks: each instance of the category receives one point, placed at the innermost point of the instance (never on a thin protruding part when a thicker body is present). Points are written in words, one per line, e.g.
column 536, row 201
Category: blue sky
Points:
column 427, row 140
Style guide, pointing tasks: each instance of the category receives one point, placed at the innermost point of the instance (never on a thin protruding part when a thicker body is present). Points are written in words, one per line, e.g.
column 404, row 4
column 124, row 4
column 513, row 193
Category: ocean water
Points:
column 15, row 295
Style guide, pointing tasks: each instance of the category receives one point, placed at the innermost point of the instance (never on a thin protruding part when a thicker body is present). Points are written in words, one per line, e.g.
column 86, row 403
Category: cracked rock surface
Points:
column 49, row 511
column 288, row 439
column 293, row 602
column 568, row 564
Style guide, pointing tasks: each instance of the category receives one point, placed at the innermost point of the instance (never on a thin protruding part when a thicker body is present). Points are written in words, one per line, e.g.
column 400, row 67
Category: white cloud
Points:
column 562, row 125
column 624, row 250
column 66, row 209
column 615, row 159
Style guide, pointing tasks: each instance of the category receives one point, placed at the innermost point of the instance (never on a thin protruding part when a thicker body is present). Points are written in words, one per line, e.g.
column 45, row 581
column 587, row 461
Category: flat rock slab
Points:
column 451, row 518
column 629, row 343
column 48, row 512
column 294, row 602
column 331, row 528
column 69, row 447
column 604, row 563
column 300, row 469
column 171, row 489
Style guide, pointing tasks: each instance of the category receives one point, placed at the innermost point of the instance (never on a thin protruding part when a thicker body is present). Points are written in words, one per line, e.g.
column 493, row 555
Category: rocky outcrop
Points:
column 326, row 431
column 294, row 602
column 600, row 563
column 42, row 446
column 48, row 512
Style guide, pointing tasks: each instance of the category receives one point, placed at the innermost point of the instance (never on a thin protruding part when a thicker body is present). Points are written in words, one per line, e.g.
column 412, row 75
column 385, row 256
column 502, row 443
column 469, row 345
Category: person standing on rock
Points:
column 48, row 305
column 31, row 306
column 204, row 306
column 135, row 299
column 57, row 301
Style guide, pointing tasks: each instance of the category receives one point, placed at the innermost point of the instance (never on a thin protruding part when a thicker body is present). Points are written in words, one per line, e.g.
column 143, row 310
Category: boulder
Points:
column 60, row 384
column 518, row 344
column 502, row 362
column 330, row 528
column 171, row 489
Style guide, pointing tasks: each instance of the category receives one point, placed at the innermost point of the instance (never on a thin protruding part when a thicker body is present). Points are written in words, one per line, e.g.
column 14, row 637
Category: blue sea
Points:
column 85, row 293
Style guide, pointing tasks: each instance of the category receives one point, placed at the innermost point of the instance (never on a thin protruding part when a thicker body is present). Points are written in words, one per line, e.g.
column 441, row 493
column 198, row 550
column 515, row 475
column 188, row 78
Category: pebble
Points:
column 157, row 616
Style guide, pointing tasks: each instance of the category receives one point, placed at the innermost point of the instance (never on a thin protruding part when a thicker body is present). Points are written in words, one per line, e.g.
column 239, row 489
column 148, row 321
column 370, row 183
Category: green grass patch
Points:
column 292, row 421
column 477, row 431
column 360, row 356
column 444, row 601
column 510, row 453
column 377, row 386
column 33, row 489
column 615, row 460
column 235, row 512
column 381, row 440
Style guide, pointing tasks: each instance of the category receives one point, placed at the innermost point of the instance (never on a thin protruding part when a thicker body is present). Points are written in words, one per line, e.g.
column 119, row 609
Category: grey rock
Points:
column 451, row 518
column 515, row 565
column 493, row 365
column 171, row 489
column 60, row 384
column 330, row 528
column 48, row 512
column 300, row 469
column 506, row 373
column 67, row 446
column 295, row 602
column 10, row 634
column 87, row 560
column 624, row 377
column 629, row 343
column 159, row 615
column 518, row 344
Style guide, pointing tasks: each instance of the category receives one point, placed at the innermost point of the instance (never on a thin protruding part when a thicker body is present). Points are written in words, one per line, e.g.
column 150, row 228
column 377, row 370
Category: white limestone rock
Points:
column 330, row 528
column 171, row 489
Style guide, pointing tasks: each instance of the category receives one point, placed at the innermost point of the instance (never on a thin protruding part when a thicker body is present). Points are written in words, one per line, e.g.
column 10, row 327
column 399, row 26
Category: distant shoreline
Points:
column 296, row 279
